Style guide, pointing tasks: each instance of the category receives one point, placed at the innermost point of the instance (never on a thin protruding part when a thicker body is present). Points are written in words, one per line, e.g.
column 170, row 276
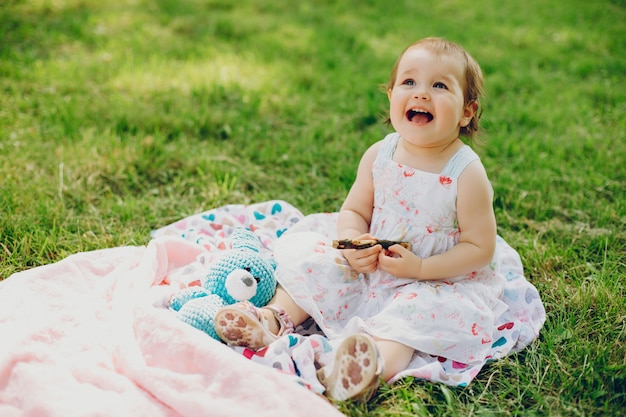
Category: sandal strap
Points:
column 285, row 324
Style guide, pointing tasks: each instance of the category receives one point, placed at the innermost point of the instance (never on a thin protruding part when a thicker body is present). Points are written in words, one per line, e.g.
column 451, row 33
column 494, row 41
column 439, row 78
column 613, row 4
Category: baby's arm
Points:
column 477, row 239
column 356, row 214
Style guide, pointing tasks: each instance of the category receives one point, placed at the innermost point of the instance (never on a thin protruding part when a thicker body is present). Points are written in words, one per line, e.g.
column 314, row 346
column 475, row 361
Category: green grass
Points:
column 117, row 117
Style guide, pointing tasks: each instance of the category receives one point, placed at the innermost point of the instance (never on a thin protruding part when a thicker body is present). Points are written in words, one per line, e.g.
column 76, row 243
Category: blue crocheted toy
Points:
column 240, row 273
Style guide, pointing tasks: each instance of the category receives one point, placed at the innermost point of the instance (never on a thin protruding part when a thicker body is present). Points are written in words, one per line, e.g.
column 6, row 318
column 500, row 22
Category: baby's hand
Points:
column 400, row 262
column 363, row 260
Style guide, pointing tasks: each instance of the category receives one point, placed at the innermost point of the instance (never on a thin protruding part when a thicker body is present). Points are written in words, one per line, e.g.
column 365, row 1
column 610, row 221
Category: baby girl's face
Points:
column 427, row 104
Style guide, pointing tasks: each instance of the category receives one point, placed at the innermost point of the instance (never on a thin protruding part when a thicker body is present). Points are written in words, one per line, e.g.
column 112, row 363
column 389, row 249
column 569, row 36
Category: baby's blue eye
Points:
column 408, row 82
column 440, row 85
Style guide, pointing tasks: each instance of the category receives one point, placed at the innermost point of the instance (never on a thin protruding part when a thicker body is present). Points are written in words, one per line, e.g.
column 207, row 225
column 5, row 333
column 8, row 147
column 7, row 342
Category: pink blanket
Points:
column 88, row 336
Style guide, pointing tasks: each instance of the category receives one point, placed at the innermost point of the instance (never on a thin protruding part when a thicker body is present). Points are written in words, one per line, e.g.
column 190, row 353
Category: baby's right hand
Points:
column 363, row 260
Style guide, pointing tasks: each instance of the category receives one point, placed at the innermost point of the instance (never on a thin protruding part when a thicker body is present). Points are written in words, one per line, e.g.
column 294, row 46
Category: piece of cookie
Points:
column 367, row 243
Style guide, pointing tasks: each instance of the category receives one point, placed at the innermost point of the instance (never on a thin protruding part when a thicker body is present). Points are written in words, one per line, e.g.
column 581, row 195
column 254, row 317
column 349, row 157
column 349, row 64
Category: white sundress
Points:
column 452, row 319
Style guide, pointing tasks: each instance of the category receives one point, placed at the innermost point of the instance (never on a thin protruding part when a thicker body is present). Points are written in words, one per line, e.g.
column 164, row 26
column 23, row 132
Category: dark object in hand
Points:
column 367, row 243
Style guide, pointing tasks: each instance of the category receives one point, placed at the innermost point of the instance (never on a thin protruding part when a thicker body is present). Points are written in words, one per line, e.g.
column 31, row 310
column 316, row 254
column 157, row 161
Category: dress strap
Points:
column 461, row 159
column 388, row 145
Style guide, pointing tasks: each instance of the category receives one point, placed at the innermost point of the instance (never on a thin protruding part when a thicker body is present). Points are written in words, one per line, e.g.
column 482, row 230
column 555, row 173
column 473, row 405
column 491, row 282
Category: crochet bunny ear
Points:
column 243, row 238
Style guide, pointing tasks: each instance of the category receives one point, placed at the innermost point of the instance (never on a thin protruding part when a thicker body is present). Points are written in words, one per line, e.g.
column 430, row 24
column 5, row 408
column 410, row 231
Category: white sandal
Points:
column 243, row 324
column 356, row 371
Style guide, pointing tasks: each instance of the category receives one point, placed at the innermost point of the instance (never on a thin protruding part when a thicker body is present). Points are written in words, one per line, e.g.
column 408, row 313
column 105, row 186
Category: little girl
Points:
column 421, row 185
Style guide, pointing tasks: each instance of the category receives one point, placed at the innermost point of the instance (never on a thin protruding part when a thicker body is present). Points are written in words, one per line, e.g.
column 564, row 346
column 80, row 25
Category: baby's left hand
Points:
column 399, row 262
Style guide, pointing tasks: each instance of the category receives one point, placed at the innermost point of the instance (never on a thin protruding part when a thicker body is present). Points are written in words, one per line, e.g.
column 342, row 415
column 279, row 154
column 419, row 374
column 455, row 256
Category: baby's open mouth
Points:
column 419, row 116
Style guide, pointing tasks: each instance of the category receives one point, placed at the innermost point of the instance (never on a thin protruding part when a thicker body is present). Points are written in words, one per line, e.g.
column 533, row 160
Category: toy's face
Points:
column 242, row 276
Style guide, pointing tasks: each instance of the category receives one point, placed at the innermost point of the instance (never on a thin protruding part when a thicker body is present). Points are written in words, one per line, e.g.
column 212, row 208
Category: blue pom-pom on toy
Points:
column 240, row 273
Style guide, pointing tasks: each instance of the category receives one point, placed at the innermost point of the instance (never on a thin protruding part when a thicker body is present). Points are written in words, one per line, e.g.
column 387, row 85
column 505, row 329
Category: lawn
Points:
column 117, row 117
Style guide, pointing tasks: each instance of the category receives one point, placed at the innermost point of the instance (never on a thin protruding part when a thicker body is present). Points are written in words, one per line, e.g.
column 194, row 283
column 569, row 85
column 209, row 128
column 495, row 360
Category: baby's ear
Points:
column 468, row 113
column 470, row 110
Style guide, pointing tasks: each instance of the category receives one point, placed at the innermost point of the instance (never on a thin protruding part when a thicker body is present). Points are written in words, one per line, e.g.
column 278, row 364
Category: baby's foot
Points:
column 356, row 370
column 243, row 324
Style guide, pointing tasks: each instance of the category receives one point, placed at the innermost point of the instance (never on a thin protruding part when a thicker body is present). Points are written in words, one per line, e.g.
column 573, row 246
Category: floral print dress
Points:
column 452, row 319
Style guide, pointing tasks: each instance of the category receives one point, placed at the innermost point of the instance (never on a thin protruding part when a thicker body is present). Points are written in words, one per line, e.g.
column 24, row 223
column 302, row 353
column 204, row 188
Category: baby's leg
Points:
column 283, row 299
column 243, row 324
column 395, row 355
